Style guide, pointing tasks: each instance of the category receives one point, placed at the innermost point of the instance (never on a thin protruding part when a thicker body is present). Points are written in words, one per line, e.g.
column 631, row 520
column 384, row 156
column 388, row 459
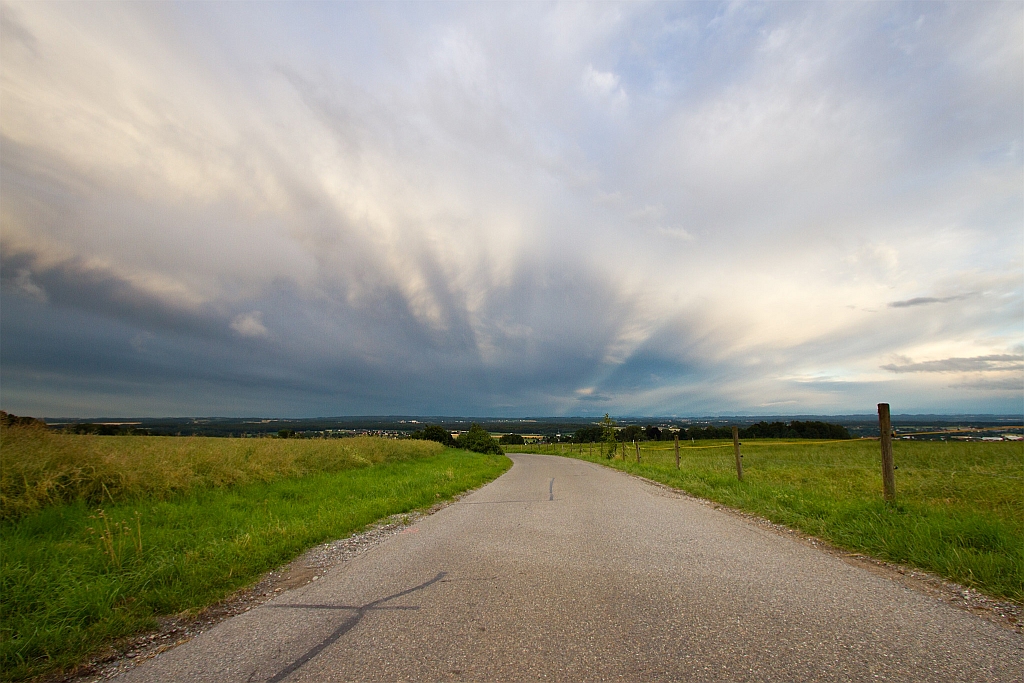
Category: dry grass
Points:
column 39, row 468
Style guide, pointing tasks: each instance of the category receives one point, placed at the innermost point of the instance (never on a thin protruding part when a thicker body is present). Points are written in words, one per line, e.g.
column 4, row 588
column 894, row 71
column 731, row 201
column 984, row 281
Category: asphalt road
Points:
column 564, row 570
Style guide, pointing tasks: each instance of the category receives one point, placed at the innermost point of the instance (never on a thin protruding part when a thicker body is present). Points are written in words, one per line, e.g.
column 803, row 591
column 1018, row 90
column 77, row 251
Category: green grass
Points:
column 959, row 508
column 74, row 579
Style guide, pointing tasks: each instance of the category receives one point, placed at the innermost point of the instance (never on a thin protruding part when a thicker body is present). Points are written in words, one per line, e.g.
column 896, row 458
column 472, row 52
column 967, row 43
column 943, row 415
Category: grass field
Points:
column 959, row 508
column 179, row 523
column 42, row 468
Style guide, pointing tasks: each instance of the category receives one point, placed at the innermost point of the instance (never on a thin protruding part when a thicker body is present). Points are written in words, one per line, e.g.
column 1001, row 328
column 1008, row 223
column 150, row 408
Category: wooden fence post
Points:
column 885, row 431
column 636, row 445
column 677, row 451
column 736, row 449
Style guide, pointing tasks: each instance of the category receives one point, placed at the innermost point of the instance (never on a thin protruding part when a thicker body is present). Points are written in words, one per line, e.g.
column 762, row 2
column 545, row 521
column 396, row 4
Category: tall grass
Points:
column 107, row 533
column 39, row 468
column 959, row 508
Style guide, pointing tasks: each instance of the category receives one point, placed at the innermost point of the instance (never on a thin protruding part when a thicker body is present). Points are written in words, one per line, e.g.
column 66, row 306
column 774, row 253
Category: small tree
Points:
column 512, row 440
column 608, row 432
column 477, row 439
column 439, row 434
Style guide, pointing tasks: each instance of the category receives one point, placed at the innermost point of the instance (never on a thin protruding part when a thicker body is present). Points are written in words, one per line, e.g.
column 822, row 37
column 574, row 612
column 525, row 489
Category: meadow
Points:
column 958, row 512
column 100, row 535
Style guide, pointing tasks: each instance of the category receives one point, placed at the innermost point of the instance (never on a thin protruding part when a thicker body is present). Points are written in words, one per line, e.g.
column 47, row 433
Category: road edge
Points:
column 176, row 630
column 1004, row 613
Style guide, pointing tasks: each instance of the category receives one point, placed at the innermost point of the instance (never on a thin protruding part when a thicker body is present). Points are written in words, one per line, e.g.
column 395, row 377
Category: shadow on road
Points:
column 347, row 626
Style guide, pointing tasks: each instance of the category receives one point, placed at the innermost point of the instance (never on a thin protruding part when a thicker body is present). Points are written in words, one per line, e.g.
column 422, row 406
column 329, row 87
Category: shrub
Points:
column 477, row 439
column 434, row 433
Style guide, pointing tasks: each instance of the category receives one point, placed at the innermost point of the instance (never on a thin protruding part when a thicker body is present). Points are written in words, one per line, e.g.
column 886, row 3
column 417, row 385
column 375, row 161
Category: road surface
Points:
column 564, row 570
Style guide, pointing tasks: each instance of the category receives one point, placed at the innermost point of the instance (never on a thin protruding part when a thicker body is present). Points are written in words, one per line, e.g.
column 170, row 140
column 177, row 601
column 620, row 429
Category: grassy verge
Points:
column 74, row 579
column 959, row 510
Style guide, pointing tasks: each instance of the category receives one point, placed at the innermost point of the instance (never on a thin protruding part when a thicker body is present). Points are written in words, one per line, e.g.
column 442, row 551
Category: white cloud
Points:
column 675, row 233
column 605, row 84
column 249, row 324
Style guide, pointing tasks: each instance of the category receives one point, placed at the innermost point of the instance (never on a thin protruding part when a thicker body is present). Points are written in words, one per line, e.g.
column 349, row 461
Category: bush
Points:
column 512, row 440
column 434, row 433
column 478, row 440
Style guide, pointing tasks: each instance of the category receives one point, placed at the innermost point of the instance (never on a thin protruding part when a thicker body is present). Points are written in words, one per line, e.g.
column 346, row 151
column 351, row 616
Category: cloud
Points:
column 994, row 384
column 472, row 209
column 249, row 325
column 978, row 363
column 605, row 84
column 22, row 282
column 91, row 285
column 922, row 300
column 675, row 233
column 588, row 394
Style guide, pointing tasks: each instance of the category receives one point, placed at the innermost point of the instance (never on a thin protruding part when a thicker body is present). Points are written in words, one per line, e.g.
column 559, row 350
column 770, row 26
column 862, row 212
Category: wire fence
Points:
column 1014, row 470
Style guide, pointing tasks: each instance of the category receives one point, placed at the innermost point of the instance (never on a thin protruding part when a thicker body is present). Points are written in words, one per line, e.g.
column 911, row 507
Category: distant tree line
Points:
column 106, row 430
column 796, row 430
column 8, row 420
column 762, row 430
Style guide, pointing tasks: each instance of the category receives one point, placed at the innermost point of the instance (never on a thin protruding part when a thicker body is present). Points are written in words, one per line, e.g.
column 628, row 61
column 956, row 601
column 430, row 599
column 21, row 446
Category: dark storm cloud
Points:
column 75, row 284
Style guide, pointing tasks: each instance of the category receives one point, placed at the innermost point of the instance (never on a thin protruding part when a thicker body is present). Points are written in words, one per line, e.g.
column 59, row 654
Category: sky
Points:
column 511, row 209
